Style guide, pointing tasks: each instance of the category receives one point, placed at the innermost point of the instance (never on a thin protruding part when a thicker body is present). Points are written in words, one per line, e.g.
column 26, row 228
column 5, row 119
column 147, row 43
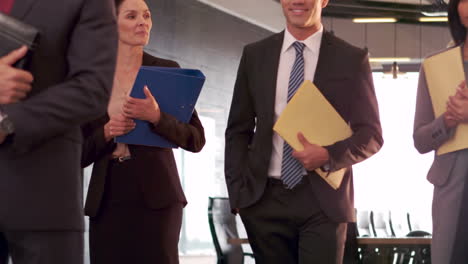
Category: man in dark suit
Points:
column 290, row 213
column 68, row 83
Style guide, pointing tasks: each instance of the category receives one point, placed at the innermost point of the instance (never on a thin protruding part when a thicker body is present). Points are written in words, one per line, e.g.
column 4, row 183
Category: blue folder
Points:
column 176, row 91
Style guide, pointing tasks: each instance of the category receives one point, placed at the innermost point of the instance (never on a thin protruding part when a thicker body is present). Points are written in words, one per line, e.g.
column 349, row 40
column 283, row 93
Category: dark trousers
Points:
column 460, row 248
column 136, row 235
column 3, row 249
column 34, row 247
column 126, row 230
column 288, row 226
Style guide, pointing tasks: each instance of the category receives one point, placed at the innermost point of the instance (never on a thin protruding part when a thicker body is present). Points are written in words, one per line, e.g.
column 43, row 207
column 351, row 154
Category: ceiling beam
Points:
column 439, row 2
column 404, row 12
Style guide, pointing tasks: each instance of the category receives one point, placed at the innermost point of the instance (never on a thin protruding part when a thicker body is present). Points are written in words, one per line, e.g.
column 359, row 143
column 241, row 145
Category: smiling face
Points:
column 303, row 15
column 134, row 21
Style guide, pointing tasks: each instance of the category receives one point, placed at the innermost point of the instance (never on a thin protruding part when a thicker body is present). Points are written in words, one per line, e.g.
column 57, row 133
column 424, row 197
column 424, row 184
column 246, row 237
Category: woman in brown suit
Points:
column 135, row 198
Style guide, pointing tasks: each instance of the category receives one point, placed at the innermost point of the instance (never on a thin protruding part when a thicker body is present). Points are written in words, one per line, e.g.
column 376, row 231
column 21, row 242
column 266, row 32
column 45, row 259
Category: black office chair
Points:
column 401, row 226
column 363, row 223
column 223, row 226
column 364, row 229
column 415, row 227
column 420, row 254
column 380, row 223
column 380, row 226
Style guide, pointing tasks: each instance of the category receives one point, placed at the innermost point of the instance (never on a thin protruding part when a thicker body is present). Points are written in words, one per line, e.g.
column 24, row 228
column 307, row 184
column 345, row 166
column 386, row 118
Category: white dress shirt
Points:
column 287, row 58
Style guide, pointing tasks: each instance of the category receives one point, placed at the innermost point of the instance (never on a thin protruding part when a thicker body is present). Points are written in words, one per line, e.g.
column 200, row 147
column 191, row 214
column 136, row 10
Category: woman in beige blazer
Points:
column 449, row 171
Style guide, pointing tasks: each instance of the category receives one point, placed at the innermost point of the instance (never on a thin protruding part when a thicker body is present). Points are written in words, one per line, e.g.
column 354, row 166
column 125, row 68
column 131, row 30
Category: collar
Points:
column 312, row 42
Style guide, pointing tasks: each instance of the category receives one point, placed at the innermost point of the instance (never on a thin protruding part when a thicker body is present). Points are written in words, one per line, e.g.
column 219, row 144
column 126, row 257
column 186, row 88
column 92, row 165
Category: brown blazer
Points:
column 158, row 178
column 344, row 77
column 73, row 67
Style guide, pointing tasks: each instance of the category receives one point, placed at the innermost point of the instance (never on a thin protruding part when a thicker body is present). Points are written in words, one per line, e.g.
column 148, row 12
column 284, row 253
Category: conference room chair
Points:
column 363, row 223
column 223, row 226
column 417, row 227
column 380, row 223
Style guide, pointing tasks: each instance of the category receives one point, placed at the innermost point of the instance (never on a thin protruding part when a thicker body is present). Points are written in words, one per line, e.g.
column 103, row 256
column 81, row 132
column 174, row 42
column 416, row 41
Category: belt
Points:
column 120, row 159
column 277, row 182
column 274, row 181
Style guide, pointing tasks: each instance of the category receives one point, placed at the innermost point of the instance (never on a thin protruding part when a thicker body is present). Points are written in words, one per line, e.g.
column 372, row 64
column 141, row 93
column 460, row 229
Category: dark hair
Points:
column 118, row 3
column 457, row 29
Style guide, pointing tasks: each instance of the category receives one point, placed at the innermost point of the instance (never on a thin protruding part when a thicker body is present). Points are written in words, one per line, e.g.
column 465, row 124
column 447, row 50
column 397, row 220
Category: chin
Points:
column 301, row 25
column 297, row 22
column 141, row 42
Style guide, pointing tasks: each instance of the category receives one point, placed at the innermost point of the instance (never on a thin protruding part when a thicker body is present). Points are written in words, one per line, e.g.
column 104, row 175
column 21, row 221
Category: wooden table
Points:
column 374, row 250
column 394, row 250
column 393, row 241
column 364, row 241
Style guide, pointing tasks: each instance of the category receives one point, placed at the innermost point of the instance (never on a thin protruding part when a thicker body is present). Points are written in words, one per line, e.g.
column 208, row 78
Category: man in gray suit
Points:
column 68, row 83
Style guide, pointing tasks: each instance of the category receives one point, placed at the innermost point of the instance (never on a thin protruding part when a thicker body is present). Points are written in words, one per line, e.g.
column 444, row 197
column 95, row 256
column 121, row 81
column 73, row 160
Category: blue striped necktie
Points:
column 291, row 168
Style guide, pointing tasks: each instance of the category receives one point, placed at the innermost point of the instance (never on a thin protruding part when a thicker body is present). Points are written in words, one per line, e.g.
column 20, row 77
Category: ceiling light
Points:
column 433, row 19
column 434, row 14
column 394, row 72
column 375, row 20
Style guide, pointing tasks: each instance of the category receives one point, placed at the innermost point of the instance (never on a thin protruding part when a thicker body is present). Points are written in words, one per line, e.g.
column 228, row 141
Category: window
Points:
column 395, row 178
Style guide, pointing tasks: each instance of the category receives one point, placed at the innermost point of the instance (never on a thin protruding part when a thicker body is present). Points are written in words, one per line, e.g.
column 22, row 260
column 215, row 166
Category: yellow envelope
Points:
column 444, row 72
column 310, row 112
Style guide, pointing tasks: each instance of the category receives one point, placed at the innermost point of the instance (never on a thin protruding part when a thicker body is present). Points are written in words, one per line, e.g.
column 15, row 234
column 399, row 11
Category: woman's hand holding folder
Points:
column 146, row 109
column 457, row 106
column 118, row 125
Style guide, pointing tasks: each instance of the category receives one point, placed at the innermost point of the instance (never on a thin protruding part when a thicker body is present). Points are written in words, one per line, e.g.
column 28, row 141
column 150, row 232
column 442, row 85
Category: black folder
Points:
column 14, row 34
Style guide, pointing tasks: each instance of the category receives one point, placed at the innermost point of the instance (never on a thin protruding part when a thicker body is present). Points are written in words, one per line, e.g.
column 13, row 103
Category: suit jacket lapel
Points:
column 323, row 68
column 270, row 73
column 21, row 8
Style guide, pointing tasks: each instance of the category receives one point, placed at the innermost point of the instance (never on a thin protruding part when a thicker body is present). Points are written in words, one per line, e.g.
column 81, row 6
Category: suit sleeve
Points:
column 94, row 144
column 84, row 94
column 239, row 132
column 429, row 132
column 189, row 136
column 363, row 117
